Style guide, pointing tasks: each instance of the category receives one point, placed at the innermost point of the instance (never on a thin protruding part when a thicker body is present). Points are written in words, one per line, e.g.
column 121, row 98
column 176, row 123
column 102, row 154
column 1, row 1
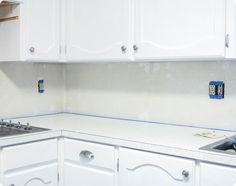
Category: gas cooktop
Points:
column 8, row 128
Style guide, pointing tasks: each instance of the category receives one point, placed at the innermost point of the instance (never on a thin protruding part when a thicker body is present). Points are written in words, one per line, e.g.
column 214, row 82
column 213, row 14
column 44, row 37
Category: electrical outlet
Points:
column 216, row 89
column 41, row 86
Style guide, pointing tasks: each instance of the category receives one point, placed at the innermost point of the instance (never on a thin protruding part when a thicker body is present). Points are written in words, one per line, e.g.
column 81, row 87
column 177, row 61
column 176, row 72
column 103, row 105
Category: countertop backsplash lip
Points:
column 121, row 119
column 32, row 116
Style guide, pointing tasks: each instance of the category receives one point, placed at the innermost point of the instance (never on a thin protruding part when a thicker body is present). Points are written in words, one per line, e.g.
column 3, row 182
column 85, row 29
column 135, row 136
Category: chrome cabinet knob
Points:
column 32, row 50
column 87, row 155
column 135, row 47
column 123, row 49
column 185, row 173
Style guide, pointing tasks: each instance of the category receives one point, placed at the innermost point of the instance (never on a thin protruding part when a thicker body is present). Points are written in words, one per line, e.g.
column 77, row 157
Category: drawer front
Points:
column 29, row 154
column 90, row 154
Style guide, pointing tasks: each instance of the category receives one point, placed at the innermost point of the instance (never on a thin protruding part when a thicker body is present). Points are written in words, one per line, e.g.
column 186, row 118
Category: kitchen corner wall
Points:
column 168, row 92
column 18, row 89
column 173, row 92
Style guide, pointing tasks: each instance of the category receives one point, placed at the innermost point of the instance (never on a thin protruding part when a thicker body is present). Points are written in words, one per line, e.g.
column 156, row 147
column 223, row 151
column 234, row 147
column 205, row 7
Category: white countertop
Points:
column 166, row 139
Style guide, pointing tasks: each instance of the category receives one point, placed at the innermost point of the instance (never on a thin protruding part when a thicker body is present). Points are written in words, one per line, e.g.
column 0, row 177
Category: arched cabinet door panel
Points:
column 98, row 30
column 40, row 176
column 142, row 168
column 42, row 30
column 167, row 29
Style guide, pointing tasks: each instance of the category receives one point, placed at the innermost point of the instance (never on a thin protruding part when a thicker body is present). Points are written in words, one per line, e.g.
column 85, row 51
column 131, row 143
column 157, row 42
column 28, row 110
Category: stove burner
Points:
column 9, row 128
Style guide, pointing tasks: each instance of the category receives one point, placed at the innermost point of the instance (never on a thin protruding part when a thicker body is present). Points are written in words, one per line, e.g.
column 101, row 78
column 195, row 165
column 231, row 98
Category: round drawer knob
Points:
column 87, row 155
column 185, row 173
column 135, row 47
column 32, row 50
column 123, row 49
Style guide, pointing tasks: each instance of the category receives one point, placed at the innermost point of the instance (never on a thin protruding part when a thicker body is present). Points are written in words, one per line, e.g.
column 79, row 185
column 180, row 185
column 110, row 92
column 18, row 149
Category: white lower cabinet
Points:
column 30, row 164
column 141, row 169
column 77, row 175
column 39, row 176
column 89, row 164
column 30, row 154
column 215, row 175
column 92, row 164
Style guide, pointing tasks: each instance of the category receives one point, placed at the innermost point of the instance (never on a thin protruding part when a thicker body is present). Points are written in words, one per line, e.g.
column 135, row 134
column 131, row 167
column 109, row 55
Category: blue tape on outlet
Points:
column 217, row 89
column 41, row 86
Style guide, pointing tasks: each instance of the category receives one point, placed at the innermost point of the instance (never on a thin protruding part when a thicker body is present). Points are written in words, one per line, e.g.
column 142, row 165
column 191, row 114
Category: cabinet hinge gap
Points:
column 118, row 165
column 227, row 41
column 58, row 177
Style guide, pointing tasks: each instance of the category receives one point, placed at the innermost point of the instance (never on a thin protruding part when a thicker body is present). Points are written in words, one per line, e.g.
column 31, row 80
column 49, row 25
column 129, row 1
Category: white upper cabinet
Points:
column 153, row 30
column 231, row 29
column 167, row 29
column 42, row 30
column 118, row 30
column 98, row 30
column 32, row 32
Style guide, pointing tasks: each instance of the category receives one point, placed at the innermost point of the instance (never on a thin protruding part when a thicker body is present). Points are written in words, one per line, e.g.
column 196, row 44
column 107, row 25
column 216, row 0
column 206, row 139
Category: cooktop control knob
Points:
column 10, row 124
column 3, row 123
column 28, row 127
column 18, row 125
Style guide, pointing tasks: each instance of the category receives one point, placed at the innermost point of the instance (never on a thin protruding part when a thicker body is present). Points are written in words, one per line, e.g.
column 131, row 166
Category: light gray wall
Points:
column 18, row 89
column 173, row 92
column 169, row 92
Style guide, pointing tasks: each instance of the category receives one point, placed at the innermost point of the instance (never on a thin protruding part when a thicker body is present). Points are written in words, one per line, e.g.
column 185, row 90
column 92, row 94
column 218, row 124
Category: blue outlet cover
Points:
column 41, row 86
column 216, row 90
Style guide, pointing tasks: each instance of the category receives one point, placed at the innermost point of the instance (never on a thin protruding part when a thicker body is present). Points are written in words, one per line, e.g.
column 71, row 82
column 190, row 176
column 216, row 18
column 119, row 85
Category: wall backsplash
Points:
column 18, row 89
column 168, row 92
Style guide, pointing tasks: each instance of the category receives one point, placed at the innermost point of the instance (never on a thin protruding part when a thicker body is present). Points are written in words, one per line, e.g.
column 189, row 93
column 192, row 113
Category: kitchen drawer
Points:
column 90, row 154
column 29, row 154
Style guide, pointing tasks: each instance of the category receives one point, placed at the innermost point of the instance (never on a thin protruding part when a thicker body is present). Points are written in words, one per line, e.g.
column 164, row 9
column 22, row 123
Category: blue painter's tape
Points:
column 41, row 86
column 122, row 119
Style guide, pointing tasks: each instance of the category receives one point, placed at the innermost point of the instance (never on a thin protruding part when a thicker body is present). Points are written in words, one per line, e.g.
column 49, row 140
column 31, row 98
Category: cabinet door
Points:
column 142, row 169
column 78, row 175
column 214, row 175
column 42, row 30
column 98, row 30
column 41, row 176
column 167, row 29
